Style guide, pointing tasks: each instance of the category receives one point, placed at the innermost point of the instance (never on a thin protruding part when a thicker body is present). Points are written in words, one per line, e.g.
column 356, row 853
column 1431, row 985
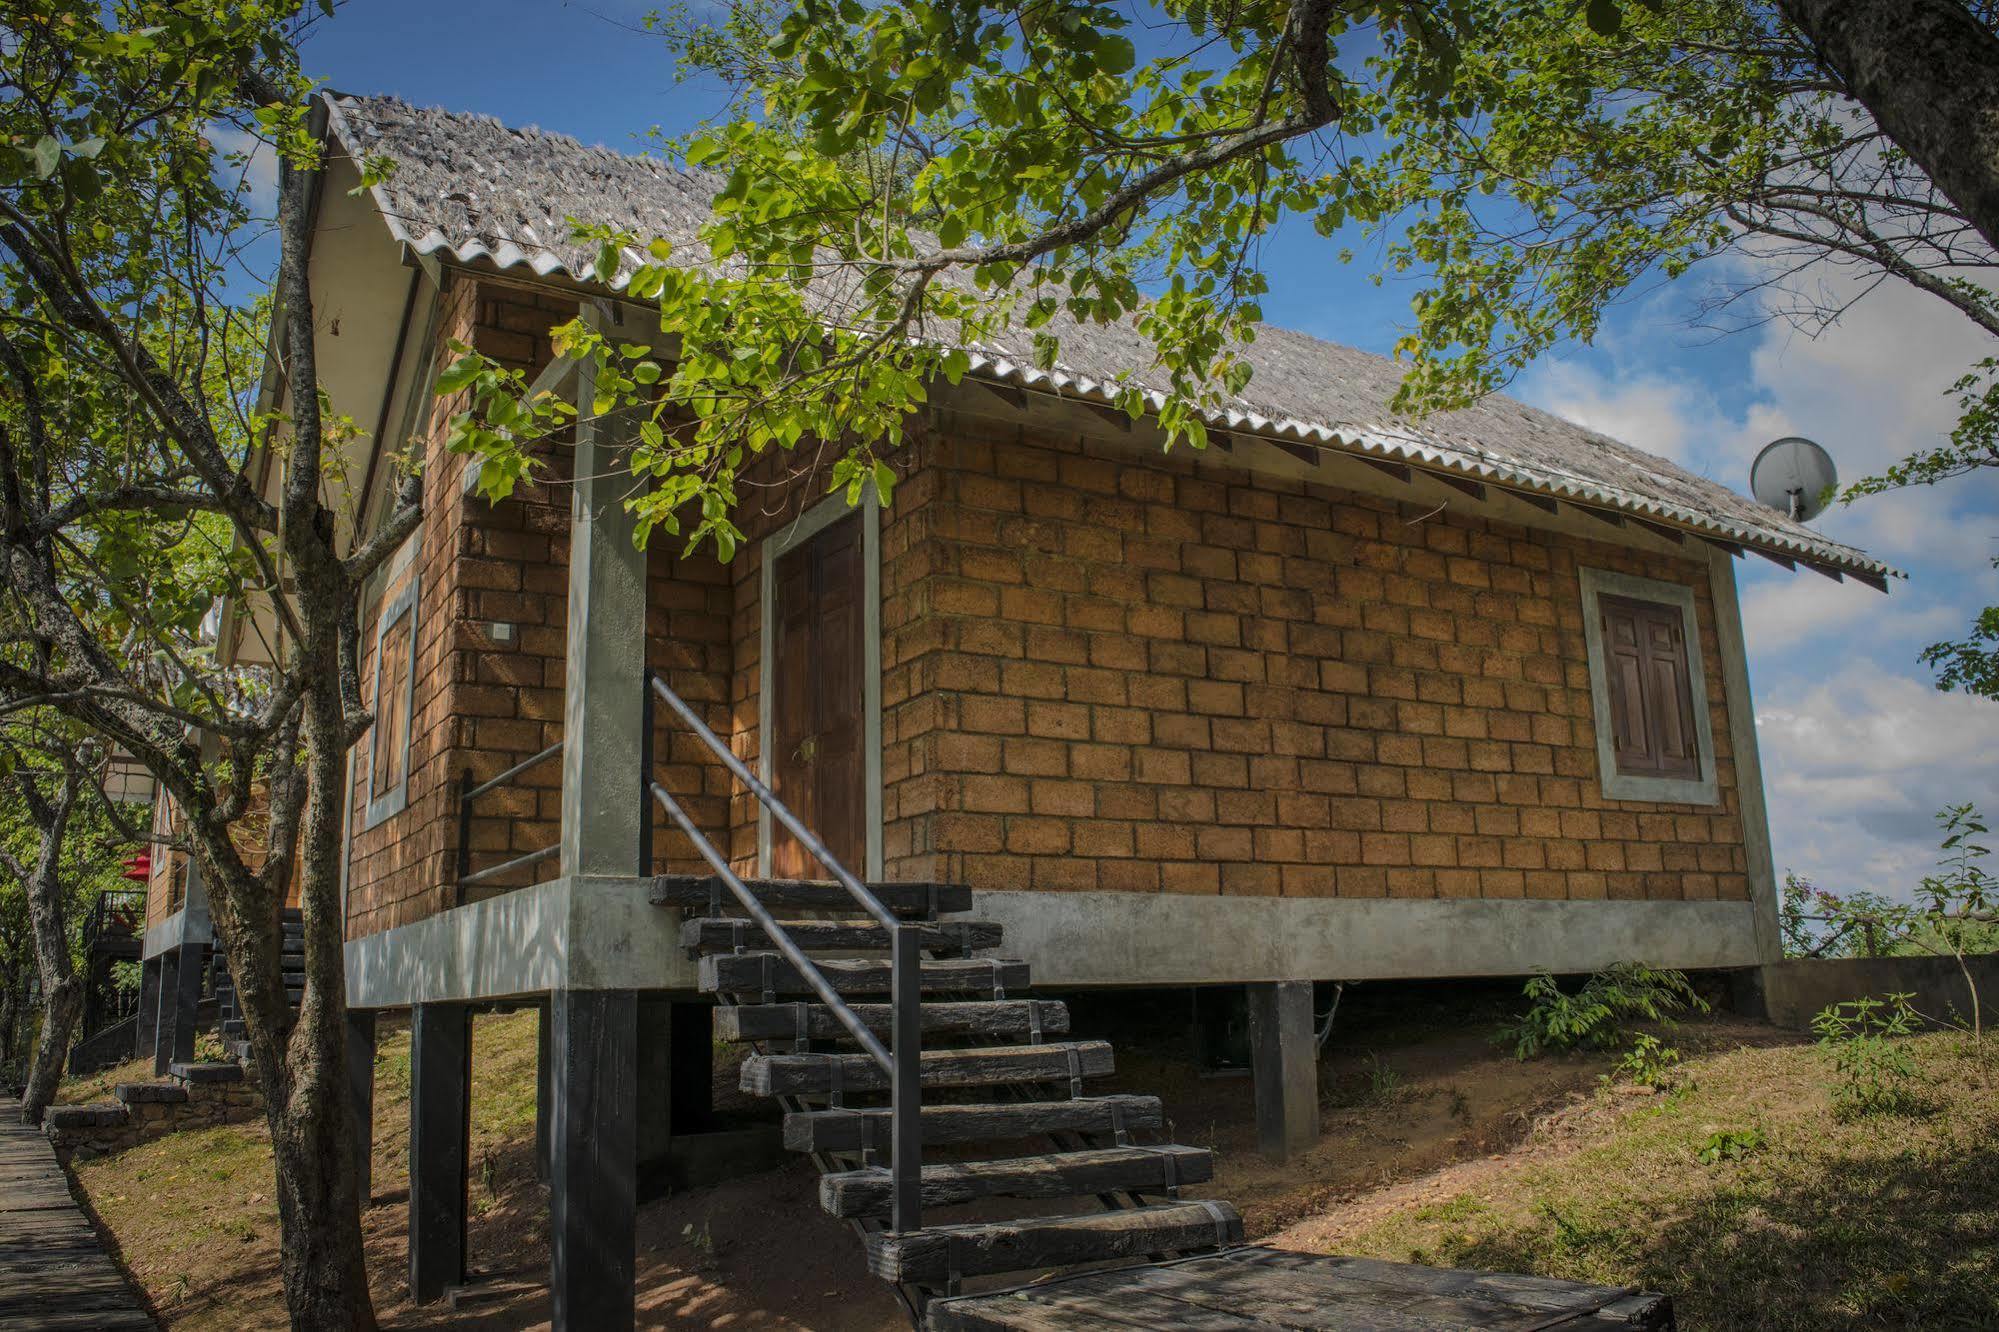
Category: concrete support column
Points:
column 1284, row 1061
column 166, row 1007
column 192, row 969
column 440, row 1133
column 544, row 1090
column 145, row 1028
column 593, row 1177
column 607, row 640
column 691, row 1081
column 1748, row 762
column 361, row 1097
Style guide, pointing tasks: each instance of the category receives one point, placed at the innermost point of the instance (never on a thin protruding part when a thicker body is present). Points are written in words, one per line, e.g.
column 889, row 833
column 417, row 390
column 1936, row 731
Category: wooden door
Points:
column 817, row 700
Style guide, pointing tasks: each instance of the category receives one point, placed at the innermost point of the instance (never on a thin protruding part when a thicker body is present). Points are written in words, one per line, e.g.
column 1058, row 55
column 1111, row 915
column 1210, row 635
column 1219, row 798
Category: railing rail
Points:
column 902, row 1059
column 467, row 793
column 117, row 910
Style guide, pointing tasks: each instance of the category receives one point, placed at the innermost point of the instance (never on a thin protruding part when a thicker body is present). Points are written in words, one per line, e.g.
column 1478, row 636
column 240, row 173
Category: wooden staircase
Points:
column 1005, row 1091
column 228, row 1013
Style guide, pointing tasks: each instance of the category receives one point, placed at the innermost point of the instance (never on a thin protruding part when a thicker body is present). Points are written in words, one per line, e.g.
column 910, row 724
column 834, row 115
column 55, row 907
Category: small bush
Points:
column 1731, row 1145
column 1862, row 1040
column 1593, row 1017
column 1650, row 1062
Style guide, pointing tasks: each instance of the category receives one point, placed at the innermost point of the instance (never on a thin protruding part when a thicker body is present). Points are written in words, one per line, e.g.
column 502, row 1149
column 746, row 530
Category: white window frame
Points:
column 1702, row 790
column 792, row 535
column 386, row 804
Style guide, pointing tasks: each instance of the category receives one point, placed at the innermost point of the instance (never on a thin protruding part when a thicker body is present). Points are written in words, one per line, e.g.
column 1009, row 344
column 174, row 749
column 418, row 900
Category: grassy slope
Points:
column 1837, row 1222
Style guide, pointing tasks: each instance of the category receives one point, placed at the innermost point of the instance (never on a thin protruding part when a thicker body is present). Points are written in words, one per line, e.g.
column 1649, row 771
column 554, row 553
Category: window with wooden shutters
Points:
column 395, row 700
column 1646, row 680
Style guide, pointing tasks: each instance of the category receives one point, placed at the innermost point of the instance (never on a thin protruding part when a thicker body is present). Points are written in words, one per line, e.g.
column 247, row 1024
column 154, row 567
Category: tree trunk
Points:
column 62, row 992
column 1928, row 71
column 60, row 1008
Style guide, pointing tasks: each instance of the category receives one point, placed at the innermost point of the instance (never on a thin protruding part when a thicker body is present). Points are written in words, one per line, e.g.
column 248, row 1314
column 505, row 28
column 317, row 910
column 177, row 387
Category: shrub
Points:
column 1593, row 1017
column 1731, row 1145
column 1862, row 1040
column 1650, row 1062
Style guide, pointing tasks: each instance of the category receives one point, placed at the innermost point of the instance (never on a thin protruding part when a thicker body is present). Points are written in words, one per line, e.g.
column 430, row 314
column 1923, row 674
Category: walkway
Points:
column 54, row 1275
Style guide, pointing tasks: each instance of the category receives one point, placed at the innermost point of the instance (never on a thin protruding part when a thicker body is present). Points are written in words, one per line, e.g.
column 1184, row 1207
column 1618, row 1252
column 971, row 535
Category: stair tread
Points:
column 936, row 1254
column 852, row 1129
column 805, row 1074
column 867, row 1192
column 981, row 1017
column 721, row 934
column 692, row 891
column 751, row 973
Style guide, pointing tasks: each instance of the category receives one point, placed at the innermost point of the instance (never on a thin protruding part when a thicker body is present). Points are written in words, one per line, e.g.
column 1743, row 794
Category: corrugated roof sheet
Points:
column 482, row 193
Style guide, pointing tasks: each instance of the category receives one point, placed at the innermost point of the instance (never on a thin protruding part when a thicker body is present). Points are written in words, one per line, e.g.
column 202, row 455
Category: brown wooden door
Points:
column 817, row 706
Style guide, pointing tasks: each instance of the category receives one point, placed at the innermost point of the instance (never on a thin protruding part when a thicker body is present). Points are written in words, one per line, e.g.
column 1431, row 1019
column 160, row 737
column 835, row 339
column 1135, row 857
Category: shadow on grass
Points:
column 1854, row 1245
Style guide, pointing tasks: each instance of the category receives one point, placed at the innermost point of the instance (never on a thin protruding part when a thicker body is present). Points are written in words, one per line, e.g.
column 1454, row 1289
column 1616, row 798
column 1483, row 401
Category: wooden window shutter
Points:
column 1650, row 689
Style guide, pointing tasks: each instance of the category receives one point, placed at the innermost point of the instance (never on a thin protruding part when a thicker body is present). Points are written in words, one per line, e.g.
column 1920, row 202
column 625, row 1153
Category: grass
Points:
column 1817, row 1220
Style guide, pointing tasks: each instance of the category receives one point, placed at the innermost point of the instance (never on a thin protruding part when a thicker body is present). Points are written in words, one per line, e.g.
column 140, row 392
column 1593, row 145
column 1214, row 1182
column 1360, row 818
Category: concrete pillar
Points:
column 593, row 1177
column 691, row 1081
column 440, row 1133
column 144, row 1029
column 166, row 1007
column 1284, row 1063
column 1748, row 762
column 361, row 1097
column 607, row 642
column 192, row 968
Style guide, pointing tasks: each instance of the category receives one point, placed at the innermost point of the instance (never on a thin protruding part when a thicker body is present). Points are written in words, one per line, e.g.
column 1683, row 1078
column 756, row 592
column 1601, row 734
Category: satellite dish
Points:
column 1795, row 477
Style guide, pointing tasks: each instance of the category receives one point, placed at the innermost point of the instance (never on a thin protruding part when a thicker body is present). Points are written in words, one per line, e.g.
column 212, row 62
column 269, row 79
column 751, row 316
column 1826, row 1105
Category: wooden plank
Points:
column 986, row 1018
column 862, row 1129
column 719, row 934
column 865, row 1193
column 1302, row 1297
column 933, row 1256
column 1060, row 1308
column 54, row 1275
column 691, row 892
column 753, row 973
column 814, row 1074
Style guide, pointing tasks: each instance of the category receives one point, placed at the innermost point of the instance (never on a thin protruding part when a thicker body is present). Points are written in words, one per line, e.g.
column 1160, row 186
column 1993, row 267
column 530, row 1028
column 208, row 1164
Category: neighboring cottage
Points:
column 1342, row 697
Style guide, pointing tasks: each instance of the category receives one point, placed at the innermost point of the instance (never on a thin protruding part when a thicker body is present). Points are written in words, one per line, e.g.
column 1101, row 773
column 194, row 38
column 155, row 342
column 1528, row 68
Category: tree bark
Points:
column 1928, row 72
column 62, row 989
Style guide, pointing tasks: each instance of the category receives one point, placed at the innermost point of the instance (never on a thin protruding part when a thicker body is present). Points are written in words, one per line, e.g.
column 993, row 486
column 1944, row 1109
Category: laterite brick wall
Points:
column 1178, row 676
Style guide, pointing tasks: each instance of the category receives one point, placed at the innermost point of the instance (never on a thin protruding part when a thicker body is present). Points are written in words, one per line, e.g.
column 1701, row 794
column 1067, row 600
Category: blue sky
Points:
column 1859, row 749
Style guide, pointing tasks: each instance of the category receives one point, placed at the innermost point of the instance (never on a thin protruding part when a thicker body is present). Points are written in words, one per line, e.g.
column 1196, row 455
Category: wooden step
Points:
column 754, row 973
column 814, row 1074
column 723, row 934
column 936, row 1254
column 1002, row 1018
column 866, row 1128
column 692, row 891
column 865, row 1193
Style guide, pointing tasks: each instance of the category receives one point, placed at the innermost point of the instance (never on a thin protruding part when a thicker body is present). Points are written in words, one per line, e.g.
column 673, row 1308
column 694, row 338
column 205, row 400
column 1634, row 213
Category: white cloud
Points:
column 1783, row 610
column 1856, row 767
column 1673, row 418
column 242, row 156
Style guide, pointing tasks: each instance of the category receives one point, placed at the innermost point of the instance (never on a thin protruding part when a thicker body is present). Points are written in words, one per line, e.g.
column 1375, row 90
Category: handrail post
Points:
column 464, row 834
column 906, row 1082
column 646, row 763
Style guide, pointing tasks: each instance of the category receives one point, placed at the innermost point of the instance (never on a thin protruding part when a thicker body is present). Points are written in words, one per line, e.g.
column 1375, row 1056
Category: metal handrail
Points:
column 902, row 1063
column 467, row 793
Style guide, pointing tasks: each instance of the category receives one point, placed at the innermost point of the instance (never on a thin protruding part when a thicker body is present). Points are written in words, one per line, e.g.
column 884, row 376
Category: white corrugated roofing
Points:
column 481, row 193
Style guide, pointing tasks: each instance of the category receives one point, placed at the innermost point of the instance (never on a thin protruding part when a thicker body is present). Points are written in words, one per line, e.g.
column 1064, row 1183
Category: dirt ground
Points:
column 1412, row 1084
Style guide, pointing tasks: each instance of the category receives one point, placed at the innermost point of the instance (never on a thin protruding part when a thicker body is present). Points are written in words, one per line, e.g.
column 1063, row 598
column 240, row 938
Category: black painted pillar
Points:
column 361, row 1098
column 1284, row 1063
column 593, row 1179
column 692, row 1081
column 149, row 1008
column 440, row 1132
column 544, row 1090
column 187, row 999
column 166, row 1008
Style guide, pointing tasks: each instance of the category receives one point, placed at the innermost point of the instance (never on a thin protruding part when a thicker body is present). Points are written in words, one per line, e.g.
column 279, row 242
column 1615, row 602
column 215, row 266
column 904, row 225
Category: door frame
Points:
column 800, row 530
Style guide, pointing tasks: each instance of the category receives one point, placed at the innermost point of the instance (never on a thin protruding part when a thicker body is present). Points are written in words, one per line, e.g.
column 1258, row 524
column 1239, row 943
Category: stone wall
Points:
column 197, row 1096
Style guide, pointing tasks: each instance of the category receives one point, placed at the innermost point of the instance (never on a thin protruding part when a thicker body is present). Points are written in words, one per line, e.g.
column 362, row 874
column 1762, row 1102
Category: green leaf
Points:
column 45, row 155
column 1604, row 17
